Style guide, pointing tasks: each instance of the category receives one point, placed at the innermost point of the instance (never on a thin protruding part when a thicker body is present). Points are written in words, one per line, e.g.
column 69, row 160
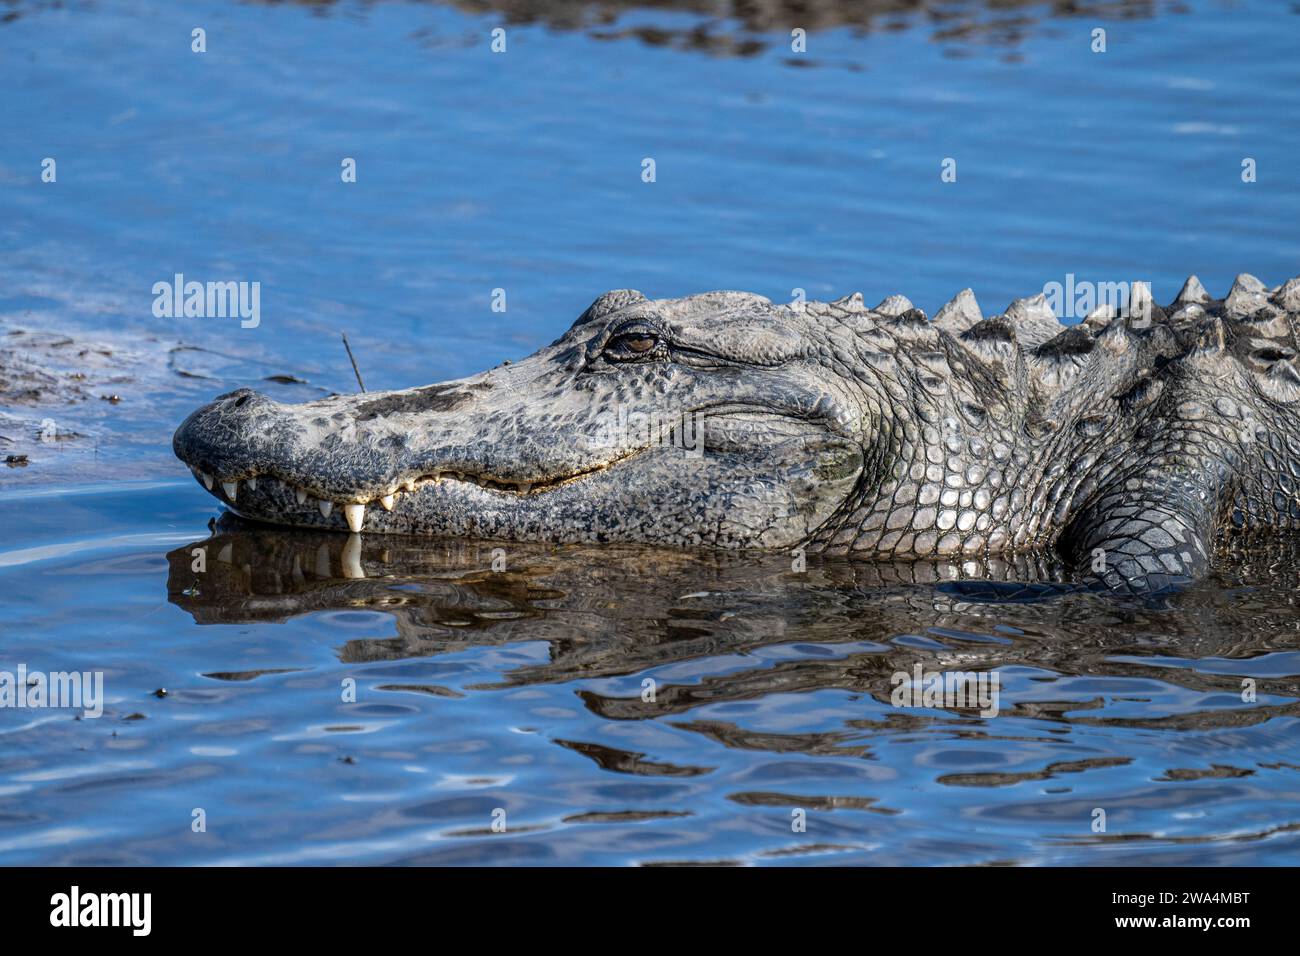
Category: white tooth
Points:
column 207, row 480
column 351, row 557
column 387, row 502
column 410, row 484
column 301, row 494
column 325, row 508
column 231, row 488
column 252, row 484
column 355, row 515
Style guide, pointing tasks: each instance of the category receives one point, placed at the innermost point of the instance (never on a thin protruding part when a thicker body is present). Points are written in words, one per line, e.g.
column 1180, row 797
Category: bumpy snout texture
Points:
column 1129, row 443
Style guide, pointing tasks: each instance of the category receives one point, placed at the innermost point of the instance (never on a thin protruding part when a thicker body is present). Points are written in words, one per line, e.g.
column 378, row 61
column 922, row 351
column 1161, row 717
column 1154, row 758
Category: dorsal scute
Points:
column 959, row 314
column 1267, row 321
column 1100, row 318
column 1193, row 292
column 1287, row 296
column 894, row 306
column 1211, row 340
column 1057, row 363
column 1250, row 310
column 995, row 329
column 1033, row 320
column 1246, row 297
column 848, row 310
column 1268, row 343
column 1280, row 380
column 1073, row 341
column 1028, row 345
column 992, row 344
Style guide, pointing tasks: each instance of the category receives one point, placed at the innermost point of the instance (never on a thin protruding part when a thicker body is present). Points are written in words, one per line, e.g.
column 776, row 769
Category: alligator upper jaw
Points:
column 275, row 498
column 324, row 464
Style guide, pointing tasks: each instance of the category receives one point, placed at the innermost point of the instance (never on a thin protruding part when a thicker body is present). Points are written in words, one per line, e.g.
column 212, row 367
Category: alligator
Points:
column 1129, row 445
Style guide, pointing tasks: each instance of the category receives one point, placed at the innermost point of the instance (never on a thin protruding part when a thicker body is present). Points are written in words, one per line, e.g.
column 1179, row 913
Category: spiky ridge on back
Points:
column 1194, row 402
column 1028, row 346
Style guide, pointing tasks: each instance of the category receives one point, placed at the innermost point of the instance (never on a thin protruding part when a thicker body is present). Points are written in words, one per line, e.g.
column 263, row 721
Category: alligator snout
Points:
column 212, row 439
column 362, row 461
column 237, row 438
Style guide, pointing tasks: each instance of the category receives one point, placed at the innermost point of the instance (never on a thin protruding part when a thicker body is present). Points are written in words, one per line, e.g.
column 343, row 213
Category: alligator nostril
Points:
column 241, row 401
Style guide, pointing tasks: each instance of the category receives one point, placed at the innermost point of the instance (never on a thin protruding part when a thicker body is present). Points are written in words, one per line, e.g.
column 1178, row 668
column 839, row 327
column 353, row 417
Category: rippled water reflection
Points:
column 523, row 690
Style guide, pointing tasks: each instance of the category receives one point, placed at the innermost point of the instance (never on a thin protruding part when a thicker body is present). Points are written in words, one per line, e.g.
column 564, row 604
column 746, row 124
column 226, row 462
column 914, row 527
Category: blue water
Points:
column 520, row 692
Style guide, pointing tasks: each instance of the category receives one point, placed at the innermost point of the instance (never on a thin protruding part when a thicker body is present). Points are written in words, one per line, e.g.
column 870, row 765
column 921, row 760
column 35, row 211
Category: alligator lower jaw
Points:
column 353, row 508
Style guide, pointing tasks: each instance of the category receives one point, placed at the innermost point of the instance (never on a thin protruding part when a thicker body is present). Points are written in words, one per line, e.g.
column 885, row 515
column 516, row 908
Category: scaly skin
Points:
column 1128, row 446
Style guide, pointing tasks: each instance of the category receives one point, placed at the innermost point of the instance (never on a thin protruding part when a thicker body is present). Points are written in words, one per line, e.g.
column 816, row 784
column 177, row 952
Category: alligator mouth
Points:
column 354, row 506
column 457, row 491
column 514, row 487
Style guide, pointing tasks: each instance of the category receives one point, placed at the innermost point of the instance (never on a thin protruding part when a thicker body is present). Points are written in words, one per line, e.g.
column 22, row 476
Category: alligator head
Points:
column 711, row 420
column 1128, row 444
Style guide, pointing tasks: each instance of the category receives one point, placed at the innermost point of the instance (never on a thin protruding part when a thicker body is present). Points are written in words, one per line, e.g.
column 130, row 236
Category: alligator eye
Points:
column 631, row 344
column 637, row 343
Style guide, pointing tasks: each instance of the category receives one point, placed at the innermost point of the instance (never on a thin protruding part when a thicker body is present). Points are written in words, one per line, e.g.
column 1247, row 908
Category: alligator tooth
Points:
column 301, row 495
column 325, row 507
column 410, row 484
column 252, row 484
column 207, row 480
column 355, row 514
column 387, row 502
column 231, row 488
column 351, row 557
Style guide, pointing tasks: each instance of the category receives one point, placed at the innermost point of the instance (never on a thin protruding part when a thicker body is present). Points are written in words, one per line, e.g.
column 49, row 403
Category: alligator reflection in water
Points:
column 617, row 611
column 746, row 27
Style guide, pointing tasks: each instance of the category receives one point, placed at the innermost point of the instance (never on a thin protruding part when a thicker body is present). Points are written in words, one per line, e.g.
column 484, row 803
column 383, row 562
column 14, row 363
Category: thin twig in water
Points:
column 355, row 371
